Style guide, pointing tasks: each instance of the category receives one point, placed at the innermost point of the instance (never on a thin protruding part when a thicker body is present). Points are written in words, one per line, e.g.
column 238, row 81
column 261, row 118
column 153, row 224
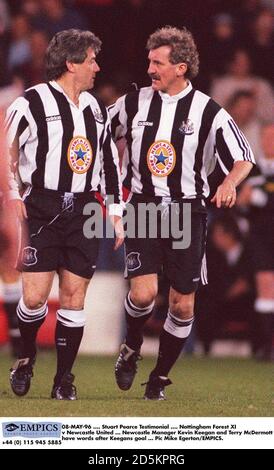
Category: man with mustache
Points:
column 62, row 151
column 174, row 135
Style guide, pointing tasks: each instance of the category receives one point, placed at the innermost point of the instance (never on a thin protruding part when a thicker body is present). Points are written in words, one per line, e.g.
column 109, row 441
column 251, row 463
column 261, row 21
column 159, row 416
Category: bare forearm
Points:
column 238, row 173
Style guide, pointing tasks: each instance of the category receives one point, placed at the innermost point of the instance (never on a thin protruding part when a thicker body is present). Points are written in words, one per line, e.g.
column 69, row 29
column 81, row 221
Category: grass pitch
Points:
column 201, row 387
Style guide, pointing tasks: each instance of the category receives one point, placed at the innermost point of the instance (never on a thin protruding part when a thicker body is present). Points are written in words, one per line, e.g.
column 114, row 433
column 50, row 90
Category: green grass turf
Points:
column 201, row 387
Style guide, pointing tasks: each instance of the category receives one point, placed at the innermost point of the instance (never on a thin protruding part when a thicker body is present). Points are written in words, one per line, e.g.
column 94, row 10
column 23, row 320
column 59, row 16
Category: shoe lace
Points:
column 24, row 372
column 131, row 362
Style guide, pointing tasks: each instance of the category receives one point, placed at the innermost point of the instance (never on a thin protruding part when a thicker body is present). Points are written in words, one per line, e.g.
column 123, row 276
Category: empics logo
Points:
column 11, row 427
column 29, row 429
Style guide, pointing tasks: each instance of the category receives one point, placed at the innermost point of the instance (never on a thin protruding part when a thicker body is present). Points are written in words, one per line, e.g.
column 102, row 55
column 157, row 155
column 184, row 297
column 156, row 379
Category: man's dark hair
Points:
column 182, row 47
column 70, row 45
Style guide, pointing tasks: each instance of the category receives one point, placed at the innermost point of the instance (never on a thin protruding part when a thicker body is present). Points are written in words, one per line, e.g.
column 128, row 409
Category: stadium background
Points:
column 236, row 45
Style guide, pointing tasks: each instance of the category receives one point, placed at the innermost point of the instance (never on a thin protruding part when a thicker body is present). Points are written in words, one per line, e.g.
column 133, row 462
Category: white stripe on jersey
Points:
column 137, row 134
column 55, row 131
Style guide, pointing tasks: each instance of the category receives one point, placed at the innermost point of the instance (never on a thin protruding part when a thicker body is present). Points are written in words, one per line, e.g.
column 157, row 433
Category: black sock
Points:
column 134, row 337
column 28, row 335
column 171, row 343
column 14, row 332
column 67, row 341
column 29, row 322
column 170, row 348
column 135, row 320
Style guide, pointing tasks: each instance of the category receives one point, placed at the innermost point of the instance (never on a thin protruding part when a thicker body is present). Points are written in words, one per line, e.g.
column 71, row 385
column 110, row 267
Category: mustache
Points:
column 153, row 76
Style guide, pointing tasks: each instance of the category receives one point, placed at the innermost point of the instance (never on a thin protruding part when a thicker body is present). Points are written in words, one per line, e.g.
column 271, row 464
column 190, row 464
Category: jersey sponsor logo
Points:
column 79, row 154
column 56, row 117
column 29, row 256
column 133, row 261
column 187, row 127
column 145, row 123
column 161, row 158
column 98, row 116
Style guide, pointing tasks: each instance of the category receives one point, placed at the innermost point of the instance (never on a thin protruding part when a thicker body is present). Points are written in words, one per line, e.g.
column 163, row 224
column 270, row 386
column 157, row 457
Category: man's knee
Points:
column 182, row 307
column 72, row 299
column 142, row 296
column 34, row 301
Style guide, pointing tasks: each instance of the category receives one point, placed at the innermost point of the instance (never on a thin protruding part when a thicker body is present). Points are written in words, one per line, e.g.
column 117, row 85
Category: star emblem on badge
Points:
column 80, row 154
column 161, row 158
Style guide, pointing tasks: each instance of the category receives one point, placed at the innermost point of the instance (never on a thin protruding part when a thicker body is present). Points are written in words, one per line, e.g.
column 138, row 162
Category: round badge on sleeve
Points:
column 161, row 158
column 79, row 154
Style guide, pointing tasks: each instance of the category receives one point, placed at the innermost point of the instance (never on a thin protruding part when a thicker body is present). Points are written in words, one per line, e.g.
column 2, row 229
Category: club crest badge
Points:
column 79, row 154
column 187, row 127
column 133, row 261
column 29, row 256
column 98, row 116
column 161, row 158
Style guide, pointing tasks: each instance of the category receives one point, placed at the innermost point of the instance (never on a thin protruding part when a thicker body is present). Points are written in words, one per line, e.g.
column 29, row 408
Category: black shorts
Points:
column 182, row 266
column 55, row 234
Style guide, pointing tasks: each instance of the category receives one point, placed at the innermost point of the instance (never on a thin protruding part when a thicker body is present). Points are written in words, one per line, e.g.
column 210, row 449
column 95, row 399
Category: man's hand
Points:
column 117, row 223
column 225, row 195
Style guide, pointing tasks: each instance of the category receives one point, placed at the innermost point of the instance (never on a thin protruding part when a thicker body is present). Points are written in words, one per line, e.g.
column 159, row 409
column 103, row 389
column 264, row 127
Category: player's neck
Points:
column 70, row 89
column 177, row 87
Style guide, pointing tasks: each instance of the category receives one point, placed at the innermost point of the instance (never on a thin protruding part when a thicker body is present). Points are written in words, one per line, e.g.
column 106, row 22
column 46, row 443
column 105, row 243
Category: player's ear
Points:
column 181, row 69
column 70, row 66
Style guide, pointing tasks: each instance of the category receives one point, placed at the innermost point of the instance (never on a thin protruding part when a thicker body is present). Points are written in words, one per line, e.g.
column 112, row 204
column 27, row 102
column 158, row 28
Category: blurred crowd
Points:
column 236, row 43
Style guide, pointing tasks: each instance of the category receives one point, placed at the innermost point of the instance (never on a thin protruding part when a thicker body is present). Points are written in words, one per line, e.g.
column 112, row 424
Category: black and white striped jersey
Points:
column 60, row 146
column 173, row 142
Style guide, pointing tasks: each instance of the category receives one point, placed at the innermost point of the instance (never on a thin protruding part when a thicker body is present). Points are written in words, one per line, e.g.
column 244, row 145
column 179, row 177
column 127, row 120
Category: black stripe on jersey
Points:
column 210, row 111
column 22, row 126
column 66, row 174
column 115, row 122
column 223, row 150
column 242, row 144
column 177, row 140
column 149, row 135
column 111, row 177
column 8, row 121
column 91, row 134
column 131, row 109
column 38, row 112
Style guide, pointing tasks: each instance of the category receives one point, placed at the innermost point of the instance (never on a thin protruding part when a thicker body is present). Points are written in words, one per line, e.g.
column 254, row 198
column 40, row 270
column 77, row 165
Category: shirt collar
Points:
column 172, row 99
column 82, row 97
